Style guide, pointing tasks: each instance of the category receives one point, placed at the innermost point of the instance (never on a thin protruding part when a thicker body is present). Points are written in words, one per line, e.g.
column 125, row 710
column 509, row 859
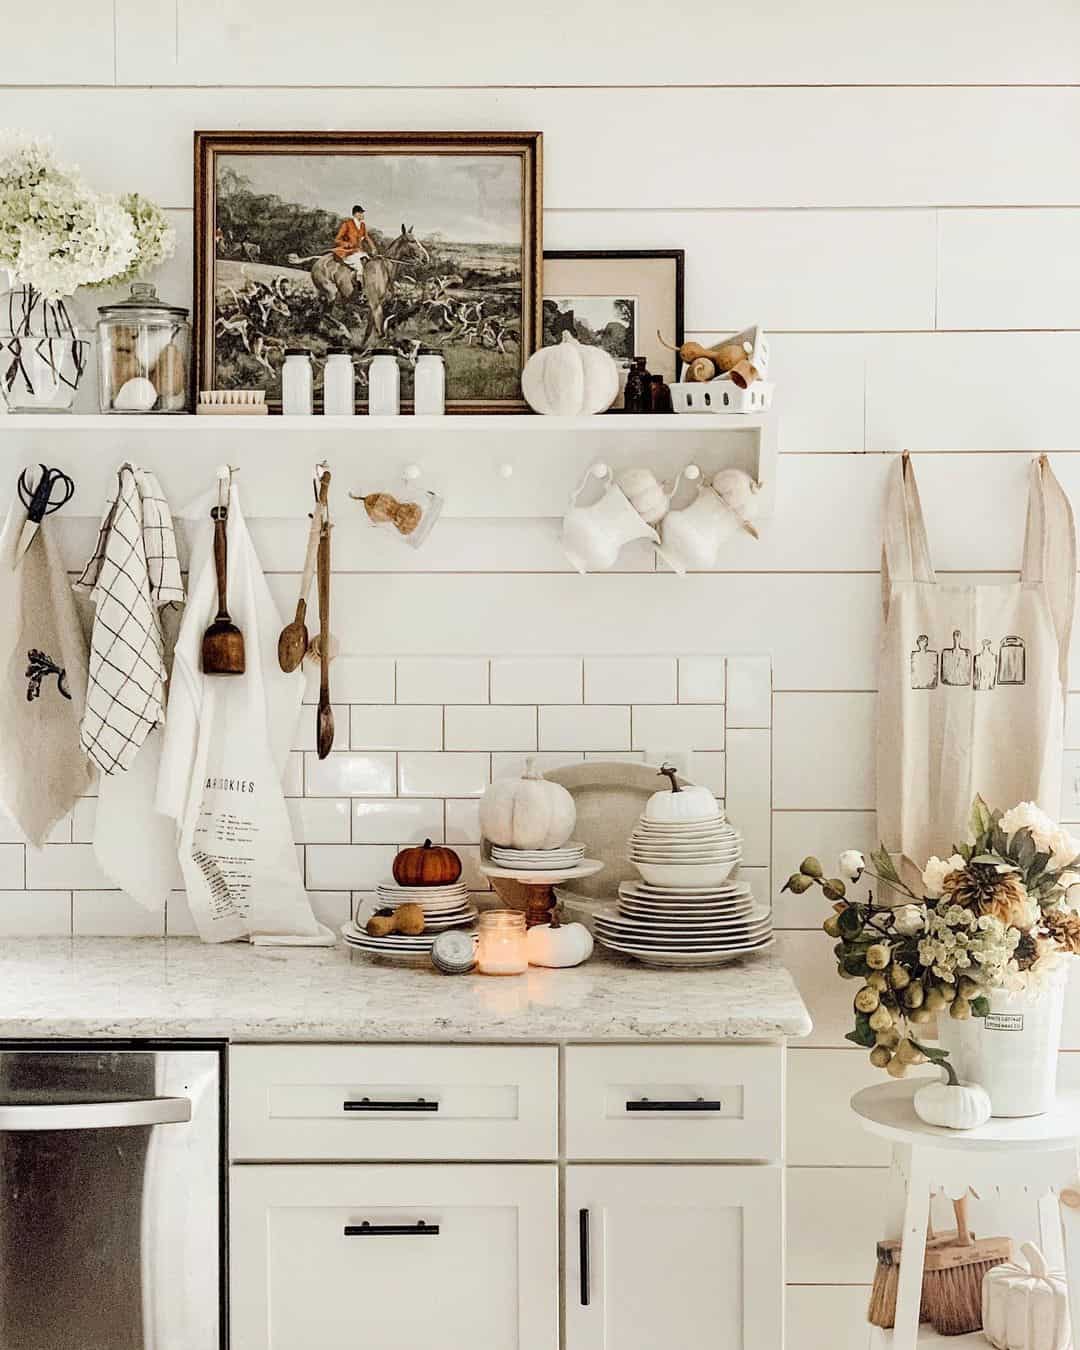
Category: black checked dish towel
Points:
column 133, row 573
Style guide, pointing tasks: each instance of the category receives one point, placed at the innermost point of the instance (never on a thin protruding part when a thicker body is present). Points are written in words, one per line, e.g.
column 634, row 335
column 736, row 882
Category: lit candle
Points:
column 501, row 949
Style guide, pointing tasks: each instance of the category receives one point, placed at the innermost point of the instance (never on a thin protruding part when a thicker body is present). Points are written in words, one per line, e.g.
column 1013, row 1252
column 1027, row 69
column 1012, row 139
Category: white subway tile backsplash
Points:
column 631, row 679
column 316, row 821
column 749, row 691
column 13, row 868
column 397, row 821
column 113, row 914
column 443, row 775
column 350, row 774
column 708, row 767
column 355, row 679
column 304, row 737
column 490, row 728
column 513, row 766
column 347, row 867
column 292, row 780
column 587, row 728
column 684, row 727
column 702, row 679
column 35, row 914
column 536, row 679
column 442, row 679
column 83, row 819
column 471, row 875
column 463, row 821
column 392, row 727
column 9, row 831
column 65, row 867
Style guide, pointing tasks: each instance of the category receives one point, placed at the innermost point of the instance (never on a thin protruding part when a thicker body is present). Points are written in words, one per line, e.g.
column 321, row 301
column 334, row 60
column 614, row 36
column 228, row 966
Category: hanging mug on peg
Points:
column 645, row 493
column 690, row 538
column 592, row 536
column 739, row 492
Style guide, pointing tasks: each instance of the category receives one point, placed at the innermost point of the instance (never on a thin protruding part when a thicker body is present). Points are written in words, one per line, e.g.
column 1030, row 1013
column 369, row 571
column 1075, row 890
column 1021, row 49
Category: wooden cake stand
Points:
column 534, row 891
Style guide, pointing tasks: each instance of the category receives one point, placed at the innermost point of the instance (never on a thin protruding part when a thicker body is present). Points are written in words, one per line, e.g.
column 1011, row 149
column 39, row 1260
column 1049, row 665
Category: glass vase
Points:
column 42, row 356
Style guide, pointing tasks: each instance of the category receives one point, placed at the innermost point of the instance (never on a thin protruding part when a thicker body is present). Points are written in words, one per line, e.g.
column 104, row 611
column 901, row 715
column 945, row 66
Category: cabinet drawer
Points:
column 677, row 1102
column 317, row 1102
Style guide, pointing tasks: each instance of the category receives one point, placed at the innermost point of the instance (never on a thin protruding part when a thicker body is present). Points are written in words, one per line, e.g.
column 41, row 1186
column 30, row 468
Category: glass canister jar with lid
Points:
column 144, row 354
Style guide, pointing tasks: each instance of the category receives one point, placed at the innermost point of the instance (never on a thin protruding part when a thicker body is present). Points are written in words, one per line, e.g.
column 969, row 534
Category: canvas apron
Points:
column 973, row 679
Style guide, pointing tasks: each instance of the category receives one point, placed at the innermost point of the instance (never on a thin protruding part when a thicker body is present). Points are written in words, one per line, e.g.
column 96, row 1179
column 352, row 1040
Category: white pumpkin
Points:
column 558, row 945
column 646, row 495
column 1026, row 1309
column 527, row 812
column 952, row 1104
column 135, row 395
column 680, row 803
column 570, row 380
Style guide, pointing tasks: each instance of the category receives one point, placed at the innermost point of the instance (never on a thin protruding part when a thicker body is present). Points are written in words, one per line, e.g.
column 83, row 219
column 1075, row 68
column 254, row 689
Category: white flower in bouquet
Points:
column 55, row 233
column 1047, row 835
column 852, row 864
column 959, row 942
column 935, row 872
column 909, row 920
column 155, row 239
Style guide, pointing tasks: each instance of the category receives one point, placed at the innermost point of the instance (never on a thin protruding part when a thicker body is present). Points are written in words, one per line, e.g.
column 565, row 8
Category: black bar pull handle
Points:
column 583, row 1255
column 417, row 1229
column 698, row 1104
column 366, row 1104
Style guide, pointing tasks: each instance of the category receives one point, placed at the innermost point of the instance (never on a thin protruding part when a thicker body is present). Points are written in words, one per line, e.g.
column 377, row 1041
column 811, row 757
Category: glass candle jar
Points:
column 384, row 384
column 500, row 948
column 144, row 354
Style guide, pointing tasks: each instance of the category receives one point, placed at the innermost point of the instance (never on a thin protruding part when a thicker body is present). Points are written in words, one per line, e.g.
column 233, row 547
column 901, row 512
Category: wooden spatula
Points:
column 223, row 642
column 293, row 641
column 324, row 736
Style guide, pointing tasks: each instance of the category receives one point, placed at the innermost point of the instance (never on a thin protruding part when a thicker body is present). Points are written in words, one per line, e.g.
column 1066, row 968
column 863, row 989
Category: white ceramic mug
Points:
column 691, row 538
column 592, row 536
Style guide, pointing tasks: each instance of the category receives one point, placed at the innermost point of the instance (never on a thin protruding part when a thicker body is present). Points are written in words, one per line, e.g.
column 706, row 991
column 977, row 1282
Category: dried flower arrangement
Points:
column 996, row 914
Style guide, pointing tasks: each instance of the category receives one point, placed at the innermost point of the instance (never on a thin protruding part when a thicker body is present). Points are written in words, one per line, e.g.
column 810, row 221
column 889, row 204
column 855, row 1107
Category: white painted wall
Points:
column 893, row 189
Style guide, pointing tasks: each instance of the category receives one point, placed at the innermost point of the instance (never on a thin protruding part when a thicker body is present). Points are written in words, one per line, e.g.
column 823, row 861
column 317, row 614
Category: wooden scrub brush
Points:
column 953, row 1276
column 881, row 1311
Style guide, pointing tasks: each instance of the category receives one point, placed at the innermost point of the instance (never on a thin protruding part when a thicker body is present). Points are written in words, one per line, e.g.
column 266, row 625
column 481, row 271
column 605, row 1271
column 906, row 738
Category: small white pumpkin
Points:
column 952, row 1104
column 135, row 395
column 1026, row 1309
column 527, row 812
column 680, row 803
column 740, row 494
column 570, row 380
column 557, row 944
column 646, row 495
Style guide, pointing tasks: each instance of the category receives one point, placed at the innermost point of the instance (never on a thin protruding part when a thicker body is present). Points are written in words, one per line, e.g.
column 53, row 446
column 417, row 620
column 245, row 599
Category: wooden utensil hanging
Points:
column 324, row 724
column 293, row 641
column 223, row 642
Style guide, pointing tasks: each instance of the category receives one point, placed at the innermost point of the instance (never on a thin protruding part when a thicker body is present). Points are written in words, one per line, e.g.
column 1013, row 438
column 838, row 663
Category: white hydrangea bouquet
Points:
column 995, row 914
column 57, row 234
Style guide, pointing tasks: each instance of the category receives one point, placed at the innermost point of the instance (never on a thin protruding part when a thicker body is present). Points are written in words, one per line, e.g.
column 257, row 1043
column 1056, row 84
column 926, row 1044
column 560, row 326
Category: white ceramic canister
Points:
column 296, row 383
column 1013, row 1051
column 339, row 383
column 384, row 384
column 429, row 384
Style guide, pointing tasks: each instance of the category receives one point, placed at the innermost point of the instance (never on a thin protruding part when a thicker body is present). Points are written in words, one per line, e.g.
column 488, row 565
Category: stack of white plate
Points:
column 538, row 859
column 684, row 926
column 394, row 947
column 678, row 853
column 443, row 906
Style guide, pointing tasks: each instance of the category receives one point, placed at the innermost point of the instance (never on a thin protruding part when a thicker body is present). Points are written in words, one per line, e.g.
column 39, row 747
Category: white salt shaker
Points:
column 338, row 384
column 296, row 383
column 384, row 384
column 429, row 385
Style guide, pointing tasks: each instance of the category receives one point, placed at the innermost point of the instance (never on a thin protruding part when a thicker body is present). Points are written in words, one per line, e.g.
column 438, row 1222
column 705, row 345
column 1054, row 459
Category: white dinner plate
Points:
column 682, row 928
column 676, row 960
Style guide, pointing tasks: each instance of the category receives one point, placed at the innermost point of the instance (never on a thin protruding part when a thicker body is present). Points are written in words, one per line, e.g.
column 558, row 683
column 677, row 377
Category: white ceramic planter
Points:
column 1013, row 1051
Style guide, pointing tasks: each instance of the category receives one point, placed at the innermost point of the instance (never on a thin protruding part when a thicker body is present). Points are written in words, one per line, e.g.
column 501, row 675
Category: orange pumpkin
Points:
column 427, row 865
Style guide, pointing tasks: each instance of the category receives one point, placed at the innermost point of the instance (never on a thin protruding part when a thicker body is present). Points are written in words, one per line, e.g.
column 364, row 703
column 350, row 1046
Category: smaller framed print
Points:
column 618, row 299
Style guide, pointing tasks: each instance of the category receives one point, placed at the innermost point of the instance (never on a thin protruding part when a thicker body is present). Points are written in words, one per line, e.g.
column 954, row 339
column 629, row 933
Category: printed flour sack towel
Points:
column 43, row 770
column 972, row 680
column 227, row 738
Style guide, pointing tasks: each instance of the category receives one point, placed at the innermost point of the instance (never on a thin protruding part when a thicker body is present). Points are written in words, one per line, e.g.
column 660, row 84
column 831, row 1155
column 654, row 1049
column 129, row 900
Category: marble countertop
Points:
column 148, row 987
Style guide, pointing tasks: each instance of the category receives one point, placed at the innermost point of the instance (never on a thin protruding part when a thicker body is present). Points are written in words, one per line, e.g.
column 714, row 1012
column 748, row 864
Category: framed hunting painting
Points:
column 628, row 301
column 365, row 241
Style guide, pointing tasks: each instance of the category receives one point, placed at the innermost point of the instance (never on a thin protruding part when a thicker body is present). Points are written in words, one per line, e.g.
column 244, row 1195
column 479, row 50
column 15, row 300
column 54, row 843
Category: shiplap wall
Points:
column 892, row 189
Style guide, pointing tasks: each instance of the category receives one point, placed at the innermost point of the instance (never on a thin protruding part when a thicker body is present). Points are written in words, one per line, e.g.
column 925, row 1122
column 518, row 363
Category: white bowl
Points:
column 685, row 874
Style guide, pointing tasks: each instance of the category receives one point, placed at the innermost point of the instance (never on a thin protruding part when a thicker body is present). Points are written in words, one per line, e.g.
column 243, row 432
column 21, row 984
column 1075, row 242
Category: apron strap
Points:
column 1050, row 552
column 905, row 553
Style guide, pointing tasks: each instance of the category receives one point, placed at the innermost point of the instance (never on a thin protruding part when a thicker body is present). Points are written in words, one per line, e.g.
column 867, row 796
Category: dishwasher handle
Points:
column 95, row 1115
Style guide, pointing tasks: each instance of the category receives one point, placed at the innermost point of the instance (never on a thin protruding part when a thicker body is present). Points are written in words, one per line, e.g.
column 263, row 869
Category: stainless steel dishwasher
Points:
column 111, row 1185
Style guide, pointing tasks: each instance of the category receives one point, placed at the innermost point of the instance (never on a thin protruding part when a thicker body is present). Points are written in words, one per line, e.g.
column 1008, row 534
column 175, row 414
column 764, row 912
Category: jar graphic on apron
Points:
column 937, row 749
column 956, row 662
column 924, row 665
column 985, row 667
column 1012, row 661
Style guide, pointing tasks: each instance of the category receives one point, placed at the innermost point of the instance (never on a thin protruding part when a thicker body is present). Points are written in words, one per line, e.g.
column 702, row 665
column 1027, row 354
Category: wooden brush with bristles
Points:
column 953, row 1276
column 881, row 1311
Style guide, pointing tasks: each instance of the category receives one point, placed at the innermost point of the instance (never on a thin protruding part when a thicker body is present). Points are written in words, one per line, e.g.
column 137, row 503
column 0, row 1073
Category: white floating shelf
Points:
column 485, row 466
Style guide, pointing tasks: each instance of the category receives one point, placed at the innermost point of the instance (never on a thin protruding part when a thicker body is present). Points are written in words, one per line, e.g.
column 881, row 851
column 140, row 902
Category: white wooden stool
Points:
column 1037, row 1157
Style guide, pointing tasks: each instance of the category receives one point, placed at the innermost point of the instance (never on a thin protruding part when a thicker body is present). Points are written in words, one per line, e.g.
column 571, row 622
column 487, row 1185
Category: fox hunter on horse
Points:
column 352, row 243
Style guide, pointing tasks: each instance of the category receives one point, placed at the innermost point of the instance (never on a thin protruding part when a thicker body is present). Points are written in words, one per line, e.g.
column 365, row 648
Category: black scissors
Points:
column 41, row 501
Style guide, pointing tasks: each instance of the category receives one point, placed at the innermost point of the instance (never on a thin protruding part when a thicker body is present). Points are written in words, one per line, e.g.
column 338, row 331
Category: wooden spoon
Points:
column 324, row 735
column 293, row 640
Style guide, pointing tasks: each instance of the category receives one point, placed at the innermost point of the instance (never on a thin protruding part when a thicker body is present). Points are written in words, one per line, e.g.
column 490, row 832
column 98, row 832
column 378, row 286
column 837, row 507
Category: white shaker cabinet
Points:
column 396, row 1257
column 673, row 1256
